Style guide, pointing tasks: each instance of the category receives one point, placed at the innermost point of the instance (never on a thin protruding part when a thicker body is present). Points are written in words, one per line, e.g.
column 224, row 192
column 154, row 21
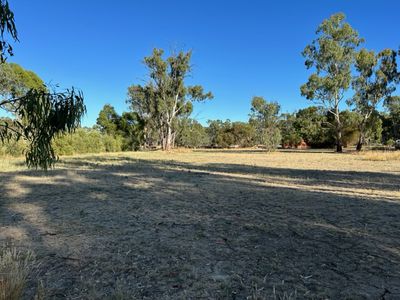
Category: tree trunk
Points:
column 361, row 138
column 173, row 140
column 339, row 144
column 359, row 145
column 167, row 139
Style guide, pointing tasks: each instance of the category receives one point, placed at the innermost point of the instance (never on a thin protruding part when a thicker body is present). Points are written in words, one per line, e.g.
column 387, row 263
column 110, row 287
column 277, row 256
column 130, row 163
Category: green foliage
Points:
column 290, row 135
column 224, row 134
column 191, row 134
column 129, row 127
column 40, row 116
column 391, row 119
column 85, row 140
column 374, row 83
column 311, row 125
column 15, row 81
column 331, row 55
column 12, row 148
column 219, row 133
column 349, row 127
column 46, row 116
column 165, row 97
column 108, row 120
column 7, row 28
column 374, row 129
column 264, row 117
column 243, row 134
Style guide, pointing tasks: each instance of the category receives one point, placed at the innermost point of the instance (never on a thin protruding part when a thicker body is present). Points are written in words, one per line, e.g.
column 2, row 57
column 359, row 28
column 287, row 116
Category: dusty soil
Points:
column 208, row 225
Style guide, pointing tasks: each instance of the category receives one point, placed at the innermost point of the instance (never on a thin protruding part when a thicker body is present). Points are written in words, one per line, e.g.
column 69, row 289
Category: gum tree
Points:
column 331, row 56
column 374, row 83
column 264, row 117
column 166, row 97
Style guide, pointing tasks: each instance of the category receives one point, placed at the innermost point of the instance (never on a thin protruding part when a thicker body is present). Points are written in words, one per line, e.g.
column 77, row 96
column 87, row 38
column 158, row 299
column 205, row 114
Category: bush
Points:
column 112, row 144
column 82, row 141
column 85, row 140
column 12, row 148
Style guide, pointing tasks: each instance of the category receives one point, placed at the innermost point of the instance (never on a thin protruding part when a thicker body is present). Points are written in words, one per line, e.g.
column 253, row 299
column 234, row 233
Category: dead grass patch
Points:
column 15, row 267
column 381, row 155
column 209, row 224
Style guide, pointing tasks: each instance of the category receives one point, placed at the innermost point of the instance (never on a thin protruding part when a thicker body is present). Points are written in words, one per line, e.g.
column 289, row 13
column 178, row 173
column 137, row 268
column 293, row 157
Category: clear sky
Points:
column 240, row 48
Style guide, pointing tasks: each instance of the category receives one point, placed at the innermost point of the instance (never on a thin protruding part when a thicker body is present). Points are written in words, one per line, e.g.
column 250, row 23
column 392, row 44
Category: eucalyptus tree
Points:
column 264, row 117
column 289, row 132
column 166, row 97
column 191, row 134
column 311, row 124
column 7, row 29
column 331, row 55
column 108, row 120
column 15, row 81
column 38, row 114
column 375, row 82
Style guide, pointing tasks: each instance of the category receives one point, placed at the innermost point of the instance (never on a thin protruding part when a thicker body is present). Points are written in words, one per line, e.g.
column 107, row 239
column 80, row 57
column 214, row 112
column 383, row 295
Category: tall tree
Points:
column 375, row 82
column 166, row 97
column 331, row 55
column 108, row 120
column 264, row 117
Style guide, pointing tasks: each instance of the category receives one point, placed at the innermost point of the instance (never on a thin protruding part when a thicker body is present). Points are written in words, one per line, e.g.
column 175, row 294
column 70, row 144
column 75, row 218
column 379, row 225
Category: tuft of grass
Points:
column 381, row 155
column 15, row 267
column 260, row 293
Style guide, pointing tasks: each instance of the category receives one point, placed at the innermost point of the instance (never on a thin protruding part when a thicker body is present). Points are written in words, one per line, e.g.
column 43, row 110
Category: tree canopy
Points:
column 166, row 97
column 374, row 83
column 264, row 117
column 331, row 55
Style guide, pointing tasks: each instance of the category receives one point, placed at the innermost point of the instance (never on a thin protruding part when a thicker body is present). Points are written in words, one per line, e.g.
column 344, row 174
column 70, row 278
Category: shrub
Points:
column 85, row 140
column 12, row 148
column 15, row 267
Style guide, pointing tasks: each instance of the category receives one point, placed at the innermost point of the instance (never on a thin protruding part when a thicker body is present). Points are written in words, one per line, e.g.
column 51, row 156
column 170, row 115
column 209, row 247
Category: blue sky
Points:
column 240, row 48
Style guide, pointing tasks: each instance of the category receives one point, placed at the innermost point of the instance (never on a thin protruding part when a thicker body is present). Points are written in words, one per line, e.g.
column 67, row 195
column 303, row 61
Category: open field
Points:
column 208, row 224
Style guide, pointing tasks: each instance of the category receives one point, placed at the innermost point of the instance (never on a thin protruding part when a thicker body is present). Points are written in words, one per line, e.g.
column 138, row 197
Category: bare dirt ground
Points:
column 208, row 225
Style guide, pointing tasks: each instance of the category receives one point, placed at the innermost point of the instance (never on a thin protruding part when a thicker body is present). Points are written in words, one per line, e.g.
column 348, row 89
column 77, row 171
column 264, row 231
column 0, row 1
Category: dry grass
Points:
column 211, row 224
column 15, row 267
column 381, row 155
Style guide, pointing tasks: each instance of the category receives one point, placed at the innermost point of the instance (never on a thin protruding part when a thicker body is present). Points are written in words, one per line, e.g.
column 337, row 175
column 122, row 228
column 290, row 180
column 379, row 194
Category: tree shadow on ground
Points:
column 157, row 230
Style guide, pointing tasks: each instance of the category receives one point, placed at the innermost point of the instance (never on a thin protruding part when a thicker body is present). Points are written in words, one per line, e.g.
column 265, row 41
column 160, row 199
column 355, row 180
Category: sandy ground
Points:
column 208, row 225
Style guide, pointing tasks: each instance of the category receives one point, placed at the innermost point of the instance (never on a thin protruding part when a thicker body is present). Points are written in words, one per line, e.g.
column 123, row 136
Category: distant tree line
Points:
column 352, row 91
column 266, row 128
